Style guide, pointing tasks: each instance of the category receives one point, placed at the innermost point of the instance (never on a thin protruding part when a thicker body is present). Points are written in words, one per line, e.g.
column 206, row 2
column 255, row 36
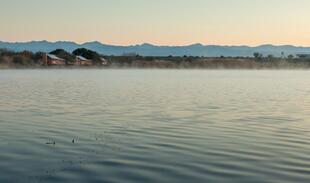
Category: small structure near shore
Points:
column 53, row 60
column 81, row 61
column 104, row 62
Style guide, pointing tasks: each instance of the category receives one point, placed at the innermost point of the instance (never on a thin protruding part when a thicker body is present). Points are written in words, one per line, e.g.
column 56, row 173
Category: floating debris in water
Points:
column 50, row 143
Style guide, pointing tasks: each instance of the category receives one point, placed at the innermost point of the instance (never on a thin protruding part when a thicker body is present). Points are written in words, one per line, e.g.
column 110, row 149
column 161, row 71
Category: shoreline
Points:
column 151, row 68
column 87, row 59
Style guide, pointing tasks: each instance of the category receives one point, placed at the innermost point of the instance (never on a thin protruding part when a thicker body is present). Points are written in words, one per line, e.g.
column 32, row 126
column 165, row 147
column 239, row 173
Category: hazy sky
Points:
column 162, row 22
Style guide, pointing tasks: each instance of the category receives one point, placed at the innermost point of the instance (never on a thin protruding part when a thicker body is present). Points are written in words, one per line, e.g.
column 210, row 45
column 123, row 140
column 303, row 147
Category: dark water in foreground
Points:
column 154, row 126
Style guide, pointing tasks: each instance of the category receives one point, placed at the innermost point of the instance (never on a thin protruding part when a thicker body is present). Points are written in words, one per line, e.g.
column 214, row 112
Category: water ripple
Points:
column 154, row 126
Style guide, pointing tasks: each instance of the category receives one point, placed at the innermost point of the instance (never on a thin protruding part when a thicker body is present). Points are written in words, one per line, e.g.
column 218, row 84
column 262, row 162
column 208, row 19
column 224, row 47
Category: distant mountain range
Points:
column 153, row 50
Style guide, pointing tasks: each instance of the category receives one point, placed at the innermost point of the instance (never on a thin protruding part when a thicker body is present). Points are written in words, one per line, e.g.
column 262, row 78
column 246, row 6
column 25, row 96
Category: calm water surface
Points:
column 154, row 126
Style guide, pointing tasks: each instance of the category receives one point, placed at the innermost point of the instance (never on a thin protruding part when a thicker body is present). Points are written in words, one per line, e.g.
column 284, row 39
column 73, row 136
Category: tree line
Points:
column 22, row 59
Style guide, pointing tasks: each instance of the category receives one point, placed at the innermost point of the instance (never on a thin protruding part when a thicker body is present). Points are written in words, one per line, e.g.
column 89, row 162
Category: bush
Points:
column 21, row 60
column 5, row 52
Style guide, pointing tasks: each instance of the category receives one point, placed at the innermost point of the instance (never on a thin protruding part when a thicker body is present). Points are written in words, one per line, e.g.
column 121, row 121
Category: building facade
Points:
column 53, row 60
column 81, row 61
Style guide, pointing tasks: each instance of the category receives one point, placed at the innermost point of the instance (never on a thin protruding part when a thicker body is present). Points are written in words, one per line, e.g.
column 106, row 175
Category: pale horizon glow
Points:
column 160, row 22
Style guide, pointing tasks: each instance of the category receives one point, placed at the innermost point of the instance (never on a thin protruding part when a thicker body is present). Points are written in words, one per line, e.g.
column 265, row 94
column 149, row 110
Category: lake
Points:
column 154, row 126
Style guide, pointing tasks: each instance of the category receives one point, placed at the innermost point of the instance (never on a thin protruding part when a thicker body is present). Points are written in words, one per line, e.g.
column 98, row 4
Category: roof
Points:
column 103, row 59
column 82, row 58
column 54, row 57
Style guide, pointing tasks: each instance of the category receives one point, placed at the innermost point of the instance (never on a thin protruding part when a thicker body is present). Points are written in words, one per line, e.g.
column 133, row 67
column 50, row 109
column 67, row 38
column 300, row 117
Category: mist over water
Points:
column 154, row 126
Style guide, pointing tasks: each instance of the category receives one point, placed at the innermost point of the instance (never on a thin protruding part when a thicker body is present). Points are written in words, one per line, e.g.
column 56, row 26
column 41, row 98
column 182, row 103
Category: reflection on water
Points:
column 154, row 126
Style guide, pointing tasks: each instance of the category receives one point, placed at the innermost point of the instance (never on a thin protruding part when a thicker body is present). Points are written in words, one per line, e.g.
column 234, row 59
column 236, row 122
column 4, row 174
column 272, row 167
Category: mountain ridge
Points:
column 147, row 49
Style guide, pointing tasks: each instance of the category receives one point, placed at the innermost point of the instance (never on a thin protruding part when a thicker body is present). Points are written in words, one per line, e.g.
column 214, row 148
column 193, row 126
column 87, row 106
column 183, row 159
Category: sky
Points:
column 159, row 22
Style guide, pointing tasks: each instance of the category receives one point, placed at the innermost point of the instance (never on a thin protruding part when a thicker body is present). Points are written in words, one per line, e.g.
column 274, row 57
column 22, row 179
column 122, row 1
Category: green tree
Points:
column 61, row 53
column 290, row 57
column 270, row 57
column 89, row 54
column 37, row 57
column 258, row 56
